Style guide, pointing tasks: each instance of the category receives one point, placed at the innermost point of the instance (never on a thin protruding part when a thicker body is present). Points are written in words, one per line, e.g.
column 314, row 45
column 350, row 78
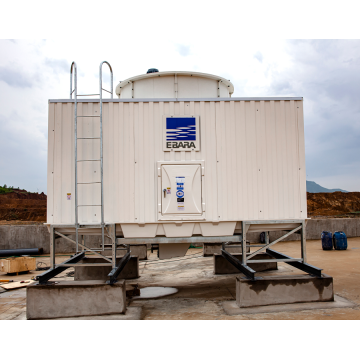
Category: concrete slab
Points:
column 83, row 273
column 209, row 249
column 75, row 298
column 222, row 266
column 132, row 313
column 283, row 290
column 231, row 308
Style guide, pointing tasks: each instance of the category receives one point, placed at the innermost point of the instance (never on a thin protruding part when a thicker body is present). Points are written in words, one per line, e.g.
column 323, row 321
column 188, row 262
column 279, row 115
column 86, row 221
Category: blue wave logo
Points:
column 180, row 129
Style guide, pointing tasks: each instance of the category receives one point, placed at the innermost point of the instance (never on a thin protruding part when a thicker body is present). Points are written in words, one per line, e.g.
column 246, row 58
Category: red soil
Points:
column 22, row 206
column 336, row 204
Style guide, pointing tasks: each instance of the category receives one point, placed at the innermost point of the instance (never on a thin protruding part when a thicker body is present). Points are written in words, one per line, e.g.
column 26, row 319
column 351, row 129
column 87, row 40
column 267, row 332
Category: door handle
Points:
column 164, row 191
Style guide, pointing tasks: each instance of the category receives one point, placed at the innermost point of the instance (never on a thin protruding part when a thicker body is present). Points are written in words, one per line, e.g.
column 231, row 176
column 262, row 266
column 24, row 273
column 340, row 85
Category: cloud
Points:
column 183, row 50
column 259, row 56
column 15, row 78
column 57, row 65
column 327, row 74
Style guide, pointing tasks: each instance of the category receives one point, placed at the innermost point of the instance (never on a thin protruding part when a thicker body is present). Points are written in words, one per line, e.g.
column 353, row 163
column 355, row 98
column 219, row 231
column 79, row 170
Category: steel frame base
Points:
column 72, row 262
column 278, row 257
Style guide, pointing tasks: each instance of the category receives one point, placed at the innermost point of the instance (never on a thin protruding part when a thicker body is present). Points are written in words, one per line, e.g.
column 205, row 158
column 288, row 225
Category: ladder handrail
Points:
column 100, row 79
column 73, row 73
column 101, row 146
column 73, row 65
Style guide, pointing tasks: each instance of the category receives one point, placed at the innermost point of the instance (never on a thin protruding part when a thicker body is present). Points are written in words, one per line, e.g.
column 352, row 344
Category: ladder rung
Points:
column 91, row 138
column 95, row 182
column 89, row 205
column 87, row 115
column 90, row 95
column 97, row 226
column 89, row 160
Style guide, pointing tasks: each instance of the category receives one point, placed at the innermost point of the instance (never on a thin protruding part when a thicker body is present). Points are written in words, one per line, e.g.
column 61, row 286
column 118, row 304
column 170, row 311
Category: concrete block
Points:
column 222, row 266
column 209, row 249
column 83, row 273
column 75, row 298
column 283, row 290
column 139, row 250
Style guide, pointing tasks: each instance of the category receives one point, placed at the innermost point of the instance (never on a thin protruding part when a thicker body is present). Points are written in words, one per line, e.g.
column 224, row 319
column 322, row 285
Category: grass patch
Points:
column 5, row 190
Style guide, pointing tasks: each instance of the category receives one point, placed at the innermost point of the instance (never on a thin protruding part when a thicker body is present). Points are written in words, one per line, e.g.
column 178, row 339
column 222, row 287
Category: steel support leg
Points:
column 267, row 238
column 52, row 247
column 112, row 234
column 303, row 241
column 243, row 243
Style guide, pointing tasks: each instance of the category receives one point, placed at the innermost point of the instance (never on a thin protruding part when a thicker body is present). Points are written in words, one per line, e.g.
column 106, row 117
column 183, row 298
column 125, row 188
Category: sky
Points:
column 259, row 48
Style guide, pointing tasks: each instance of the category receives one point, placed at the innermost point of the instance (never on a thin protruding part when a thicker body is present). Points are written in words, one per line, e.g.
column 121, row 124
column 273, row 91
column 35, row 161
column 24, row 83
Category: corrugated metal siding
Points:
column 253, row 151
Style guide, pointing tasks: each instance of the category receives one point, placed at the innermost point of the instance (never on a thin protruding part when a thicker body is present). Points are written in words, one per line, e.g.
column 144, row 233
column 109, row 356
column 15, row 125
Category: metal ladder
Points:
column 102, row 223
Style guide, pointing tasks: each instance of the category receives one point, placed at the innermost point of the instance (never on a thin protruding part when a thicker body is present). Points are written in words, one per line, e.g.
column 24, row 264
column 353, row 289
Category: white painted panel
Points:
column 253, row 154
column 181, row 189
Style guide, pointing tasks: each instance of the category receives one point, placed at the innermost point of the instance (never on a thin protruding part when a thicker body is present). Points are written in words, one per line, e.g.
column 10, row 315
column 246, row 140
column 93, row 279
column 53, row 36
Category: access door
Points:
column 181, row 190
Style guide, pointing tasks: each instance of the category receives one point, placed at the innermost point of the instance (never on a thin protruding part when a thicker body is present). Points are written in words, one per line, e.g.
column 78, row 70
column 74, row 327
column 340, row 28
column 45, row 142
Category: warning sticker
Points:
column 181, row 207
column 68, row 196
column 168, row 190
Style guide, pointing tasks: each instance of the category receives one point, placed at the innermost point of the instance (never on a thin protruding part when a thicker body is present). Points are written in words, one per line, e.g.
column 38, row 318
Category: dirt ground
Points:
column 20, row 207
column 336, row 204
column 201, row 294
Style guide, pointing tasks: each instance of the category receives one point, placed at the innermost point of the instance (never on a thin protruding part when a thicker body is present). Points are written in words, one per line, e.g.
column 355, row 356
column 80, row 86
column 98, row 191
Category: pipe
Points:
column 20, row 252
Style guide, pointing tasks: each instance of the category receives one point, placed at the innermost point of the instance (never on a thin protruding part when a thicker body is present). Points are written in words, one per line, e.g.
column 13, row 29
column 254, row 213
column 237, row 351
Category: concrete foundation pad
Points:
column 83, row 273
column 209, row 249
column 222, row 266
column 132, row 313
column 231, row 308
column 75, row 298
column 274, row 290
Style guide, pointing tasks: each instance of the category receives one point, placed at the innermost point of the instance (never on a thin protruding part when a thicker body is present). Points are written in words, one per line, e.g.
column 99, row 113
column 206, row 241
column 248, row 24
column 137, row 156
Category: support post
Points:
column 52, row 247
column 267, row 238
column 243, row 243
column 303, row 241
column 112, row 233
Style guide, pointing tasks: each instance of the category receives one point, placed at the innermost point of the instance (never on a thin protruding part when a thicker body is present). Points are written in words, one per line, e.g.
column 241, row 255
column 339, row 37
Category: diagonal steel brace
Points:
column 114, row 273
column 310, row 269
column 49, row 274
column 246, row 270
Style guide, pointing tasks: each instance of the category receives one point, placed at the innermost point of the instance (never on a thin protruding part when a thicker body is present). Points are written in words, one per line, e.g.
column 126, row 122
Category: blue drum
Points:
column 326, row 240
column 340, row 240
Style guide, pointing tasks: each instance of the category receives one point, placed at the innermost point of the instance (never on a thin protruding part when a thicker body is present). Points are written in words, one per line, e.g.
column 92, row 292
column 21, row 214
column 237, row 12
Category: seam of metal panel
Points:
column 178, row 99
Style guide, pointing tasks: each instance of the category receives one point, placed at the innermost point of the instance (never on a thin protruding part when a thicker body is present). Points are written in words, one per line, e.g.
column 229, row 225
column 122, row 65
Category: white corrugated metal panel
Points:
column 170, row 84
column 253, row 152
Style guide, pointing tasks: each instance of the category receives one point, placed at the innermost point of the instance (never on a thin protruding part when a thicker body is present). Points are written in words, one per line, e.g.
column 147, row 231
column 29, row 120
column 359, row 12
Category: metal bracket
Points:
column 246, row 270
column 114, row 273
column 313, row 270
column 47, row 275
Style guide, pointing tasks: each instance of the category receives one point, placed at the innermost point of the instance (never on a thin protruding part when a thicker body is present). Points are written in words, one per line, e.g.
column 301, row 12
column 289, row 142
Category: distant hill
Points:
column 313, row 187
